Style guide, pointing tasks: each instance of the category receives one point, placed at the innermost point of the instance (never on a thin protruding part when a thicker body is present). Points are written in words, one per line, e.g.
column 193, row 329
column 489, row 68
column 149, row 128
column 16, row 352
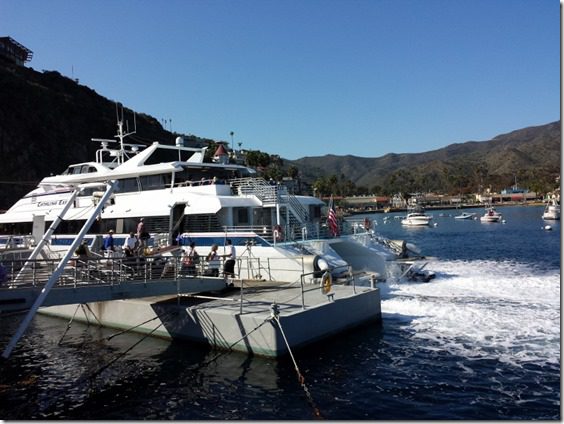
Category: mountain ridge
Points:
column 531, row 149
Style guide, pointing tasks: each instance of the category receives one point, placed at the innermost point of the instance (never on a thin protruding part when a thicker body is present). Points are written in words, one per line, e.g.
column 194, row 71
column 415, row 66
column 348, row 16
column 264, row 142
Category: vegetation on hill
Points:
column 530, row 155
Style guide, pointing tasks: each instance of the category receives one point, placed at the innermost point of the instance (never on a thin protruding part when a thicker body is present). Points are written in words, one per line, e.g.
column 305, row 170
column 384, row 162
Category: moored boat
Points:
column 551, row 210
column 465, row 215
column 416, row 218
column 181, row 199
column 491, row 215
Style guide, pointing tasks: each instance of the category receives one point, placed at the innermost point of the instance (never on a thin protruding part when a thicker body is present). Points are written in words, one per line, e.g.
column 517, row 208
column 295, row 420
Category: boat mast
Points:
column 120, row 135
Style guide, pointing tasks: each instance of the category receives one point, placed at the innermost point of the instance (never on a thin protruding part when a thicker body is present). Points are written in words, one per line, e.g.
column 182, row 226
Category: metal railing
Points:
column 114, row 271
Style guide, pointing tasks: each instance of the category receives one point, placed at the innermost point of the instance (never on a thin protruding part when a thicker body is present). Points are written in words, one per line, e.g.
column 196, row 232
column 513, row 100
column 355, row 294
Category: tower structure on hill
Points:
column 14, row 51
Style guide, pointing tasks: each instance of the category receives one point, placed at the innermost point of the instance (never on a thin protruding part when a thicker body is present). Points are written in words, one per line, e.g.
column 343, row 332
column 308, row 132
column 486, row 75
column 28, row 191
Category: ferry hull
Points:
column 220, row 324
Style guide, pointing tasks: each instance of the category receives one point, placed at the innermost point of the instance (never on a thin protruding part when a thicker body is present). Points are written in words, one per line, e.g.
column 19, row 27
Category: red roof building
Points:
column 220, row 155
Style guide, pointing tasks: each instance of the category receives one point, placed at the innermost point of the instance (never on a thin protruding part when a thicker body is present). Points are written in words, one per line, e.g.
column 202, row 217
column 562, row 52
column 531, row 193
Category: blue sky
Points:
column 309, row 77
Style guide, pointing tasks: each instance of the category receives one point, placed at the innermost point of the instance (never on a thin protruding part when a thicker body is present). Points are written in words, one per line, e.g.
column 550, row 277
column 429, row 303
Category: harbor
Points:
column 215, row 311
column 430, row 357
column 275, row 211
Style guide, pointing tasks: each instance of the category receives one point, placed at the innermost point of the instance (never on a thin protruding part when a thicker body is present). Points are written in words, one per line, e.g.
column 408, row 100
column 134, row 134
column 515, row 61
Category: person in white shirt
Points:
column 131, row 244
column 229, row 265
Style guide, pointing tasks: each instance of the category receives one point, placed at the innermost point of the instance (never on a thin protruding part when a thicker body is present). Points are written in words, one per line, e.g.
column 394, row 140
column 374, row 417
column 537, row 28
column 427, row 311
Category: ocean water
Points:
column 480, row 341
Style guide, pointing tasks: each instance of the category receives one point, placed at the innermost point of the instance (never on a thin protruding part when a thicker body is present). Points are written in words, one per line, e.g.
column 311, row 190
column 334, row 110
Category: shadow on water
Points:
column 157, row 379
column 376, row 371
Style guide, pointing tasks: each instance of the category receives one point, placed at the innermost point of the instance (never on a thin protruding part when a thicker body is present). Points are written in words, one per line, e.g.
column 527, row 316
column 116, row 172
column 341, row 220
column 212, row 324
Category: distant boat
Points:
column 491, row 215
column 551, row 210
column 465, row 215
column 416, row 218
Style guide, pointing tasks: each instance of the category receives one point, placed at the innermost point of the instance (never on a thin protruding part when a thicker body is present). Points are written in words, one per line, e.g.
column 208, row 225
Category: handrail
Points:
column 270, row 193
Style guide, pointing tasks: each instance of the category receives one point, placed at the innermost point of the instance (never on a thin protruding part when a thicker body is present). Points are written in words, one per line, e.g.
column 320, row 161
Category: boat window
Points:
column 75, row 169
column 152, row 182
column 315, row 211
column 127, row 185
column 241, row 216
column 89, row 191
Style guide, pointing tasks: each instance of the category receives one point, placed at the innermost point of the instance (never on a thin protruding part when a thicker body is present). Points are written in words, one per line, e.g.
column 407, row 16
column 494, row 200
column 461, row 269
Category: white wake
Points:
column 483, row 309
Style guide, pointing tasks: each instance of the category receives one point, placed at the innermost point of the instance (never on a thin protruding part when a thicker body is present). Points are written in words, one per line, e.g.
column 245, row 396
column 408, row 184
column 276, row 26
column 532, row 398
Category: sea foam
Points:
column 482, row 309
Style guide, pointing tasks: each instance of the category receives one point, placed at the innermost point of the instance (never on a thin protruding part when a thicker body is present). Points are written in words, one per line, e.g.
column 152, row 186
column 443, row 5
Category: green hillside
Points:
column 532, row 155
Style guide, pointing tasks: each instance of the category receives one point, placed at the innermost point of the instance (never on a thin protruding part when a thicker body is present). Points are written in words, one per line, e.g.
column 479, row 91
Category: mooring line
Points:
column 230, row 347
column 106, row 366
column 121, row 355
column 87, row 306
column 301, row 378
column 119, row 333
column 69, row 325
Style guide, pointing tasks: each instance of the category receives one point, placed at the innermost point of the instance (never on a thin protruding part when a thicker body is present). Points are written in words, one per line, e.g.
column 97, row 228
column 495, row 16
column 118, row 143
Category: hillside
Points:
column 528, row 153
column 47, row 122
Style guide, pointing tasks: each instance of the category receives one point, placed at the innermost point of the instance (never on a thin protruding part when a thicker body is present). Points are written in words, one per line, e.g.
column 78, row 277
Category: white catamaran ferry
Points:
column 183, row 199
column 281, row 244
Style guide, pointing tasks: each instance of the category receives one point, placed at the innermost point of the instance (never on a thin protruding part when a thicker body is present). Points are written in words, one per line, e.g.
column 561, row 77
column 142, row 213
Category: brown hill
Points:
column 530, row 154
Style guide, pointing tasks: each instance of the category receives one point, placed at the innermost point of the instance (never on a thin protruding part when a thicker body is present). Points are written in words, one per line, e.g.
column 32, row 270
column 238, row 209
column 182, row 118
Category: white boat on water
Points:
column 551, row 210
column 281, row 239
column 182, row 199
column 491, row 215
column 416, row 218
column 465, row 215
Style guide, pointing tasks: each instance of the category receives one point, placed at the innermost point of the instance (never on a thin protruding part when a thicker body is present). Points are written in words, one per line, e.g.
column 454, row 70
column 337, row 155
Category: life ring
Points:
column 277, row 233
column 326, row 281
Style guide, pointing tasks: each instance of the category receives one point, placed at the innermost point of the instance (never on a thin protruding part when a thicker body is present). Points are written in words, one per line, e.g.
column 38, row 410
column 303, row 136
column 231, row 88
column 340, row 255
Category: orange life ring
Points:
column 326, row 281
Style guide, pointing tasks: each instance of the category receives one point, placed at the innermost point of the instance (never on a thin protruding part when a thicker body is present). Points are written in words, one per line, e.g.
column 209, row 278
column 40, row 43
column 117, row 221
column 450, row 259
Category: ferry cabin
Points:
column 173, row 190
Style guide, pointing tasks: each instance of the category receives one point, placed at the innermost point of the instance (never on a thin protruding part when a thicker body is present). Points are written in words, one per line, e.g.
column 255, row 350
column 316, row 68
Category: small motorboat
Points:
column 551, row 210
column 465, row 215
column 416, row 218
column 491, row 215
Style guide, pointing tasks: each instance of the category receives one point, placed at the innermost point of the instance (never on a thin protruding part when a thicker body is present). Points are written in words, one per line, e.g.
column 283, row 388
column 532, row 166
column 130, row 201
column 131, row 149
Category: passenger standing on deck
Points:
column 109, row 241
column 83, row 253
column 142, row 235
column 191, row 259
column 229, row 266
column 213, row 262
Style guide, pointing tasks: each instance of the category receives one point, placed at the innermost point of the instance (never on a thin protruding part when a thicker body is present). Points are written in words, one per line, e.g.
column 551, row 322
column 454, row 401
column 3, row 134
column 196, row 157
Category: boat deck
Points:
column 242, row 320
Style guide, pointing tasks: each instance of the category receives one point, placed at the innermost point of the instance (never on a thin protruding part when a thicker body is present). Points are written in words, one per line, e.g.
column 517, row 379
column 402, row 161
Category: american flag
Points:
column 332, row 219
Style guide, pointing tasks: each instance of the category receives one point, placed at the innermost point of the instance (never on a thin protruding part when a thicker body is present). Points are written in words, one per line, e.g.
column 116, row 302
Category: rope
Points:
column 92, row 312
column 90, row 377
column 69, row 324
column 103, row 368
column 301, row 379
column 230, row 347
column 119, row 333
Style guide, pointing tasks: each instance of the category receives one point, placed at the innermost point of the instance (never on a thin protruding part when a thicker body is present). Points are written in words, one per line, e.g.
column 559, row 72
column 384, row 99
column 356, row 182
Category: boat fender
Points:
column 326, row 281
column 319, row 265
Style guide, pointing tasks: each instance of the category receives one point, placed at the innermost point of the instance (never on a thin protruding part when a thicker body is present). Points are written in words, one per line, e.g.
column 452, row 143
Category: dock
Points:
column 265, row 320
column 152, row 296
